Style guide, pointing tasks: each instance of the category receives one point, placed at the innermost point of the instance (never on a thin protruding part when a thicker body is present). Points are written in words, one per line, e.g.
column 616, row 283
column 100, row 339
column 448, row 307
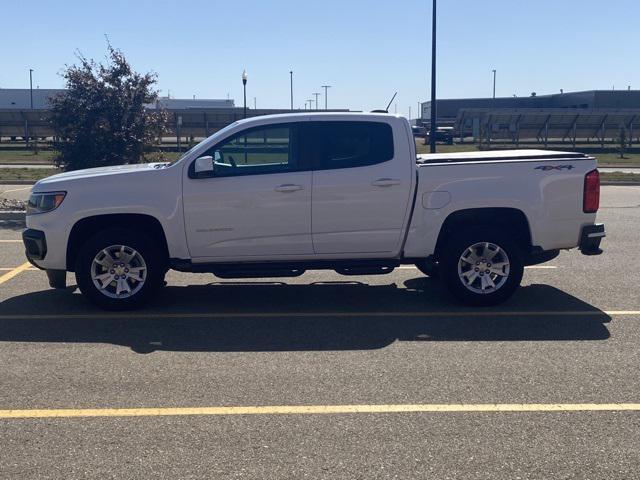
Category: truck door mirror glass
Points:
column 217, row 156
column 204, row 166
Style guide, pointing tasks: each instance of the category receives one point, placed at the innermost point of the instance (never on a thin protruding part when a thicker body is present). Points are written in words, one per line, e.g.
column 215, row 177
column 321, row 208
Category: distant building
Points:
column 20, row 99
column 448, row 108
column 188, row 103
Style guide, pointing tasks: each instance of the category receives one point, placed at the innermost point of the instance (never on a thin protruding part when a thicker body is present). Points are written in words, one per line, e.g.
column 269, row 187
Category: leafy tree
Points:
column 101, row 119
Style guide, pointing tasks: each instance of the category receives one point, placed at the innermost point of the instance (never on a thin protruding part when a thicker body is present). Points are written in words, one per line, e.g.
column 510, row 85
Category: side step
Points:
column 247, row 273
column 364, row 270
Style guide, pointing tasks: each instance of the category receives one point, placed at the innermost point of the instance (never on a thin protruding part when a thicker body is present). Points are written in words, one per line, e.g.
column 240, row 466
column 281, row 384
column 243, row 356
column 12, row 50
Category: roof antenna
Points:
column 386, row 110
column 390, row 101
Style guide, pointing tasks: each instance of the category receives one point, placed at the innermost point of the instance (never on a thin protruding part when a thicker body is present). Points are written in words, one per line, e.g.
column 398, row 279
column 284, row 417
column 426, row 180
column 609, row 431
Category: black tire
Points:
column 155, row 262
column 457, row 245
column 430, row 269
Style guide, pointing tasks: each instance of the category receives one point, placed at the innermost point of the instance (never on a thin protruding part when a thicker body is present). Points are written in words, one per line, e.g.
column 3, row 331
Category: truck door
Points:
column 255, row 204
column 361, row 187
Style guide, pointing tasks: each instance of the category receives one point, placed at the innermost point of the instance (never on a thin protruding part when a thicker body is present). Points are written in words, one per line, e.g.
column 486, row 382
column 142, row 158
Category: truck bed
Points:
column 497, row 156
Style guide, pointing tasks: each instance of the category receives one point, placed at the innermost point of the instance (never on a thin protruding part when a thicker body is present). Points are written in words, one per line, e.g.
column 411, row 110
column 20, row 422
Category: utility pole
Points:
column 316, row 94
column 255, row 103
column 291, row 82
column 409, row 113
column 326, row 87
column 494, row 83
column 432, row 132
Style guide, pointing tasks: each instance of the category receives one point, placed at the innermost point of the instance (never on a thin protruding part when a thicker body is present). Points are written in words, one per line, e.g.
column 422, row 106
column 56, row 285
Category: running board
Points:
column 239, row 273
column 364, row 270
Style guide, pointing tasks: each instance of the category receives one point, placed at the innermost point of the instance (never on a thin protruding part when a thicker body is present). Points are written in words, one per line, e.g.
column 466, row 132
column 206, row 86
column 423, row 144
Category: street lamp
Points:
column 244, row 86
column 326, row 87
column 310, row 100
column 494, row 83
column 316, row 94
column 291, row 82
column 432, row 133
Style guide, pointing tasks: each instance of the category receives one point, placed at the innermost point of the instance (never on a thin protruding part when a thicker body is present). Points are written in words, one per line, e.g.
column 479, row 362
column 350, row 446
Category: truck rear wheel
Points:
column 119, row 269
column 482, row 267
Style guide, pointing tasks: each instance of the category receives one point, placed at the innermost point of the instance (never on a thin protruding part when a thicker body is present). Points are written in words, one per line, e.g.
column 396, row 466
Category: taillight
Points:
column 591, row 198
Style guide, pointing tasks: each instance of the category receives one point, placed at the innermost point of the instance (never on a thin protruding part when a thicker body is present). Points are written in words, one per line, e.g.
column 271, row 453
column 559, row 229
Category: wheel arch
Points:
column 511, row 219
column 88, row 226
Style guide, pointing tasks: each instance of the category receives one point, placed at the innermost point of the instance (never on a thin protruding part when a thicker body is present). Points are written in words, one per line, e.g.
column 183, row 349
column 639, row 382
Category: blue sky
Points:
column 365, row 49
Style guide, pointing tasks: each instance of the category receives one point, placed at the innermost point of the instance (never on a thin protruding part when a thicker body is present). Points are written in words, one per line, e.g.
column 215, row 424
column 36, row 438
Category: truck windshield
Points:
column 220, row 132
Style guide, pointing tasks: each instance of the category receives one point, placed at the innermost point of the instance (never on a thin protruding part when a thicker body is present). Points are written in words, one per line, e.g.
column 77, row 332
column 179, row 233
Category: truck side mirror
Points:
column 203, row 166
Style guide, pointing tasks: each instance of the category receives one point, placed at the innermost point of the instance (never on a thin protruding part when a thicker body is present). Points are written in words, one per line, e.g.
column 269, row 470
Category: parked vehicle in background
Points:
column 273, row 196
column 418, row 131
column 443, row 135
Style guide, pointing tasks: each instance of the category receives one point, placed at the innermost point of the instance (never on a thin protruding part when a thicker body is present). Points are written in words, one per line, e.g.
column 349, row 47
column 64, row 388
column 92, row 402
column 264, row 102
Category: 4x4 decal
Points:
column 546, row 168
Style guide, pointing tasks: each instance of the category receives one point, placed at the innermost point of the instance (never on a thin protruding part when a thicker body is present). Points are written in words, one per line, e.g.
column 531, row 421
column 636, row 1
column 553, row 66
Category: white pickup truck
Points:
column 276, row 195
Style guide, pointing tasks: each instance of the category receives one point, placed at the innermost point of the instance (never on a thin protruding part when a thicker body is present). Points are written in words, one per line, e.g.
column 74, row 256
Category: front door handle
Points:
column 289, row 187
column 385, row 182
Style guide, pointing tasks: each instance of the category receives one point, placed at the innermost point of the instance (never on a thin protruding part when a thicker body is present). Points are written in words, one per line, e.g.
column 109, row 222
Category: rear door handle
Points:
column 385, row 182
column 289, row 187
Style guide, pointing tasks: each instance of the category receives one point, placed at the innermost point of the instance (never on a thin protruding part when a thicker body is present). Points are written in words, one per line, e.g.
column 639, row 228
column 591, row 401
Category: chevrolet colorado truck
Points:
column 273, row 196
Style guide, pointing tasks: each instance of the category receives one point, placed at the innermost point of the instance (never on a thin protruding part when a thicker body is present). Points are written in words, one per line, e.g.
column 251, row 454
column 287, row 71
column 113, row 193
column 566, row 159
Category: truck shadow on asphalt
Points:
column 282, row 317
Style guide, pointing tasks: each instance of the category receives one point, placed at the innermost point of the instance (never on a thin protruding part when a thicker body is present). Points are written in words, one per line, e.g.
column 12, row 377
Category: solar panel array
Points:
column 198, row 123
column 547, row 124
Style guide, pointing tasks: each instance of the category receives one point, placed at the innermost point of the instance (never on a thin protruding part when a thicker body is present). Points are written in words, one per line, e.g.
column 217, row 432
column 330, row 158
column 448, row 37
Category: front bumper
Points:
column 590, row 239
column 35, row 244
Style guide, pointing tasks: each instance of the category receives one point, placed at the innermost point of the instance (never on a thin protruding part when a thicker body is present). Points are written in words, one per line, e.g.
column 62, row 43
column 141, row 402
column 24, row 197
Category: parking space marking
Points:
column 539, row 267
column 12, row 273
column 482, row 313
column 11, row 241
column 17, row 189
column 322, row 410
column 6, row 269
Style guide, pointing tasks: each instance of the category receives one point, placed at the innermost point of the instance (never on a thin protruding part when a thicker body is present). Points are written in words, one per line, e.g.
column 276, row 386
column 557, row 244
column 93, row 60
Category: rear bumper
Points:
column 590, row 238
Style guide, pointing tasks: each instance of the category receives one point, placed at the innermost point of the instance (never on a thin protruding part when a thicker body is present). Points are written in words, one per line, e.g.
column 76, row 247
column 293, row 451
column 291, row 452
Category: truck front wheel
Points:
column 119, row 269
column 482, row 267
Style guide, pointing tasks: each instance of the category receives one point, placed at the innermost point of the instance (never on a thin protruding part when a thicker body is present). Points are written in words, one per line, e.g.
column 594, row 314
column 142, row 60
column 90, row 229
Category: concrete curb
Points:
column 17, row 182
column 612, row 183
column 12, row 215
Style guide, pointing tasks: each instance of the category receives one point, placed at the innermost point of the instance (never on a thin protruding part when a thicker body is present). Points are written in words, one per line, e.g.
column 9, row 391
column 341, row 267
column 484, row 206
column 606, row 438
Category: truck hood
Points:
column 80, row 175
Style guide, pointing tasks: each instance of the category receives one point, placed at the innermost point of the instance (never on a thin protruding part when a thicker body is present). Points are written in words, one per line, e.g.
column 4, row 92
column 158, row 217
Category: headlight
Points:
column 44, row 202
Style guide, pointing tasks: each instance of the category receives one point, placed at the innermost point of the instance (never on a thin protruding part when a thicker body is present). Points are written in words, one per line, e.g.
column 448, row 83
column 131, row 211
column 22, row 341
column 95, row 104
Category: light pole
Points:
column 494, row 83
column 291, row 83
column 31, row 86
column 310, row 100
column 244, row 86
column 316, row 94
column 31, row 102
column 326, row 88
column 255, row 103
column 432, row 131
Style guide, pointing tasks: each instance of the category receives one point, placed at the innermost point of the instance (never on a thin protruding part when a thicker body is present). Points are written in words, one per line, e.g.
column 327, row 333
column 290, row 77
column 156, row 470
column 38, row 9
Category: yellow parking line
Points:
column 12, row 273
column 481, row 313
column 322, row 410
column 10, row 241
column 6, row 269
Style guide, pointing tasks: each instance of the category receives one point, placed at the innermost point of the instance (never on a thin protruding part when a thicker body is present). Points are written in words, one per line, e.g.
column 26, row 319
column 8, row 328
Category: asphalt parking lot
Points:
column 325, row 376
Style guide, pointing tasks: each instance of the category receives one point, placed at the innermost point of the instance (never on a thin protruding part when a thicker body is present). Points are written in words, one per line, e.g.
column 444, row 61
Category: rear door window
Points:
column 351, row 144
